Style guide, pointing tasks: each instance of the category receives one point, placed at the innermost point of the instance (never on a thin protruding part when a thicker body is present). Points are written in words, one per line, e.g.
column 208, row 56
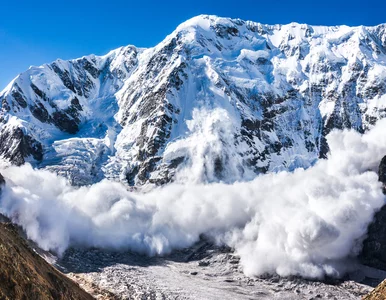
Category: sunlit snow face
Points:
column 303, row 223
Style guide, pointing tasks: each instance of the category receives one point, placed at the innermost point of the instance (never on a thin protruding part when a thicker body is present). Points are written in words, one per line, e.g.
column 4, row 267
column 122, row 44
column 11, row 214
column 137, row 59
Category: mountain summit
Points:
column 218, row 99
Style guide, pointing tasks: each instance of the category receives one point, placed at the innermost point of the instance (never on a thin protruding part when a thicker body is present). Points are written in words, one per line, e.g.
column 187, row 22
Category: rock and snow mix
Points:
column 282, row 88
column 310, row 222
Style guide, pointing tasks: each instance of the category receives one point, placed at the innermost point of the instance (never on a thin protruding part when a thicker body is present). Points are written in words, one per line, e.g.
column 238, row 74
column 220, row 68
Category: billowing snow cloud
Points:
column 306, row 223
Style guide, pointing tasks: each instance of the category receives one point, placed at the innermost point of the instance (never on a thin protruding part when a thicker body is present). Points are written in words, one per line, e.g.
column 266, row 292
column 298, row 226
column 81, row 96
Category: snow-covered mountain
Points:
column 218, row 100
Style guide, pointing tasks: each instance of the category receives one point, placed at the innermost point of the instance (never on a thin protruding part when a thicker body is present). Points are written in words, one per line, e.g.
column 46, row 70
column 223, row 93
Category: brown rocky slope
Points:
column 379, row 293
column 26, row 275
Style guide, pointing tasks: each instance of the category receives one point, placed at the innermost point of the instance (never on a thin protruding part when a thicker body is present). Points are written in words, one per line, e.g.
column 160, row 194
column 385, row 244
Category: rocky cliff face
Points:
column 2, row 181
column 225, row 97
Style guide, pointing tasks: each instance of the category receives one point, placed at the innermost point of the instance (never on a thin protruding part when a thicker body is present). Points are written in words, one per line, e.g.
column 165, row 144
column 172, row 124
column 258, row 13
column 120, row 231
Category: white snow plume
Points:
column 210, row 149
column 303, row 223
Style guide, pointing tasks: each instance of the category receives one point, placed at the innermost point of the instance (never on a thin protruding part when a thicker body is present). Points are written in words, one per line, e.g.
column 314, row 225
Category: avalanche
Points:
column 309, row 222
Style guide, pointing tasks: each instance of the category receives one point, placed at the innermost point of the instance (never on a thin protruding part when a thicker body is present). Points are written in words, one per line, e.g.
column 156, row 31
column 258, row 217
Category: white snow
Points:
column 308, row 223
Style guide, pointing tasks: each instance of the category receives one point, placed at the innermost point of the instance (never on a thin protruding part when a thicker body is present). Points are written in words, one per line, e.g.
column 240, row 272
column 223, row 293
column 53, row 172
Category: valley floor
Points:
column 201, row 272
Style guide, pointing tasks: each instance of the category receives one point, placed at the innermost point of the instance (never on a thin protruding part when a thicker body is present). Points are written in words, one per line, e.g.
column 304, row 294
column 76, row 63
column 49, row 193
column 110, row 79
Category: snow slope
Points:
column 218, row 100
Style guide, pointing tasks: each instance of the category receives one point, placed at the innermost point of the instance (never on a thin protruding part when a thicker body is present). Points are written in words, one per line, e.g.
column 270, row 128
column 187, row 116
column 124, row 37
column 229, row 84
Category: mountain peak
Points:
column 204, row 22
column 134, row 114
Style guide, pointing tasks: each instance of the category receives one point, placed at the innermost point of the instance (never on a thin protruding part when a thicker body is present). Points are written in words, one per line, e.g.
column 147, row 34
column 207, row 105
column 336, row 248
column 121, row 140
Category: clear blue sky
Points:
column 35, row 32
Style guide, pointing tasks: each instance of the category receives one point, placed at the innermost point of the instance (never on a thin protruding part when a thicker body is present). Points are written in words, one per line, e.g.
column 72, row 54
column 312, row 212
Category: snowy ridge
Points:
column 223, row 98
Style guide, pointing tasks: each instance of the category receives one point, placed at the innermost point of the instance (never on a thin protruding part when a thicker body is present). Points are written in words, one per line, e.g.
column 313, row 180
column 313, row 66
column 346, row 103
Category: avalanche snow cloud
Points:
column 308, row 222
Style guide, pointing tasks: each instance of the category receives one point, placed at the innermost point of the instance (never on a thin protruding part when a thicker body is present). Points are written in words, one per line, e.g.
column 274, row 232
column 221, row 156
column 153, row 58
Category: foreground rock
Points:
column 25, row 275
column 379, row 293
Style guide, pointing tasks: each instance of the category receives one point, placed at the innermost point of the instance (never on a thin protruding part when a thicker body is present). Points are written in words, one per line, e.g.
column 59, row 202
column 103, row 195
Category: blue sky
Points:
column 35, row 32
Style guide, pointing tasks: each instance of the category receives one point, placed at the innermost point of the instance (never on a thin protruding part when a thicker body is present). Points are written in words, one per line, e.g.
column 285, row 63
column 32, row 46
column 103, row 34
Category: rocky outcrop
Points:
column 17, row 146
column 379, row 293
column 374, row 247
column 25, row 275
column 2, row 180
column 382, row 174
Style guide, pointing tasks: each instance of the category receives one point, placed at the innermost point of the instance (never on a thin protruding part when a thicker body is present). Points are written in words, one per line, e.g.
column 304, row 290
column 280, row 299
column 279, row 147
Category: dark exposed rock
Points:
column 146, row 168
column 167, row 171
column 90, row 68
column 16, row 146
column 2, row 183
column 80, row 87
column 374, row 247
column 176, row 162
column 176, row 78
column 64, row 122
column 218, row 167
column 75, row 104
column 38, row 92
column 131, row 175
column 64, row 76
column 2, row 180
column 382, row 174
column 17, row 95
column 4, row 105
column 225, row 31
column 40, row 113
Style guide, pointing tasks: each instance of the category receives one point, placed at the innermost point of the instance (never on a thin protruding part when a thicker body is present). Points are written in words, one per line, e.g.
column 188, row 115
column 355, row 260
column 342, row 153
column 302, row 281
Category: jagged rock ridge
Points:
column 230, row 98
